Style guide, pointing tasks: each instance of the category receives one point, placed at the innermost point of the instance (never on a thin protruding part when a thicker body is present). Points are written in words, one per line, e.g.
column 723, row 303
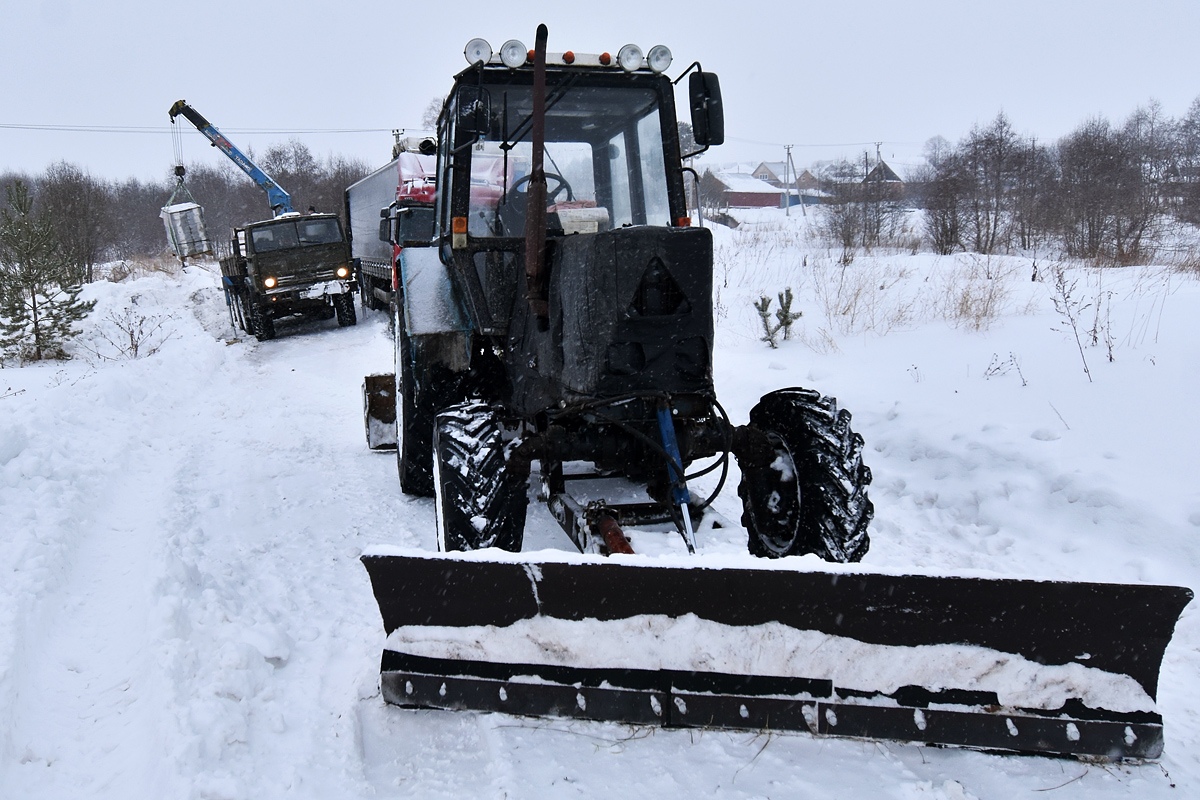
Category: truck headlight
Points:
column 343, row 271
column 269, row 282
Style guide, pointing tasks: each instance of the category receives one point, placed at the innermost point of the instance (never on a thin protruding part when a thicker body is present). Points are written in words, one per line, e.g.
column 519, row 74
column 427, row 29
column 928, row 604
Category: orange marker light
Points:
column 606, row 58
column 569, row 57
column 458, row 225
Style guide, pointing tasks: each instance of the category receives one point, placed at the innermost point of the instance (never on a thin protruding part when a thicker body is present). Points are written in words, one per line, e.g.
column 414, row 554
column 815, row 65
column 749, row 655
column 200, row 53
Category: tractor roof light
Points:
column 659, row 58
column 478, row 51
column 630, row 57
column 513, row 53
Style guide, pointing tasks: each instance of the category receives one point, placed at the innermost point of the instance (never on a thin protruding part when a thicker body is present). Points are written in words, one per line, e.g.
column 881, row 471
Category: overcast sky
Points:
column 830, row 77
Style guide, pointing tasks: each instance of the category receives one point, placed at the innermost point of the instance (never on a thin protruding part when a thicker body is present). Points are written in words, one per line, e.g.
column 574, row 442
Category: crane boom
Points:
column 280, row 200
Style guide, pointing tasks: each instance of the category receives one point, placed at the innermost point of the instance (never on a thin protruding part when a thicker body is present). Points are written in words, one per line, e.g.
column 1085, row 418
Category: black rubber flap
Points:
column 1113, row 627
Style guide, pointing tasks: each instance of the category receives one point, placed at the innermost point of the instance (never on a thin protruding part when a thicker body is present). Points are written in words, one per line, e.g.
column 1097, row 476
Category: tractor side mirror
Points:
column 708, row 115
column 474, row 110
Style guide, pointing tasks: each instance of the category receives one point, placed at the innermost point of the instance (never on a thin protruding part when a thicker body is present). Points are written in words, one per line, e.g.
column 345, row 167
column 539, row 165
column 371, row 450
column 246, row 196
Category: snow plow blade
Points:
column 379, row 411
column 995, row 664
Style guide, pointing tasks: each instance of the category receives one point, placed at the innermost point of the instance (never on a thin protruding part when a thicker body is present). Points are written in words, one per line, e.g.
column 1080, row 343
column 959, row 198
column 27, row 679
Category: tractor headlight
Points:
column 269, row 282
column 659, row 58
column 513, row 54
column 478, row 51
column 343, row 271
column 630, row 57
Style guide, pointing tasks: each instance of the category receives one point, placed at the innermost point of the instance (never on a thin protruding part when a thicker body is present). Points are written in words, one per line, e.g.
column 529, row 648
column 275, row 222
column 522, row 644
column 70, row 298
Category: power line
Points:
column 832, row 144
column 166, row 129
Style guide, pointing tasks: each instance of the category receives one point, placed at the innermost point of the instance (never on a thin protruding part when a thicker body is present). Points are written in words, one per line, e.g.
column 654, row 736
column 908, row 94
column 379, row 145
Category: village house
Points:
column 738, row 190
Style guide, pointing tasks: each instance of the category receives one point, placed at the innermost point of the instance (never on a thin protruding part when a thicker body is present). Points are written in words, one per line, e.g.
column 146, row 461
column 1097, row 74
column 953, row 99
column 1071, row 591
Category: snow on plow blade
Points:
column 1015, row 665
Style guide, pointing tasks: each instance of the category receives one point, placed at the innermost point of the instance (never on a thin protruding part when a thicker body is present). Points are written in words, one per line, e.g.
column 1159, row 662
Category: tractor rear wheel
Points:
column 415, row 410
column 481, row 494
column 805, row 491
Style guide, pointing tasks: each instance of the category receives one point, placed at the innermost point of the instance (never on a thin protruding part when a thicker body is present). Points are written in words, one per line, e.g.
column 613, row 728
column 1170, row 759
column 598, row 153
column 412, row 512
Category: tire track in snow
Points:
column 87, row 702
column 270, row 626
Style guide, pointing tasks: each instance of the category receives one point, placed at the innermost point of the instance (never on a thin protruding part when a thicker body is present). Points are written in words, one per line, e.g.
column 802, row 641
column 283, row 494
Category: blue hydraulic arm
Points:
column 281, row 201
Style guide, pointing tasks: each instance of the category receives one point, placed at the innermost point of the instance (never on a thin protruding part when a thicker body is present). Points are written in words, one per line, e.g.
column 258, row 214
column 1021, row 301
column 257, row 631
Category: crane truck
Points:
column 562, row 316
column 290, row 264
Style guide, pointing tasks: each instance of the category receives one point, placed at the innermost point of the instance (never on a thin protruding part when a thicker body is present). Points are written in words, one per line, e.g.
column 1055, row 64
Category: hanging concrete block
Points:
column 185, row 230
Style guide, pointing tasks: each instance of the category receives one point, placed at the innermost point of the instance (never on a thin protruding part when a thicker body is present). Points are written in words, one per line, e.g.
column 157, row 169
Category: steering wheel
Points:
column 550, row 194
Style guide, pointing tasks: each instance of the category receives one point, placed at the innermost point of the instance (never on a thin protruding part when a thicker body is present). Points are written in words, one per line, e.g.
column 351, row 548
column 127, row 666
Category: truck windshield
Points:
column 288, row 233
column 604, row 160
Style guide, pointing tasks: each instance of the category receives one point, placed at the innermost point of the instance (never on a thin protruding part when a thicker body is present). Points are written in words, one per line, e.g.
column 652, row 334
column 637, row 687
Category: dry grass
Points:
column 857, row 298
column 975, row 292
column 138, row 267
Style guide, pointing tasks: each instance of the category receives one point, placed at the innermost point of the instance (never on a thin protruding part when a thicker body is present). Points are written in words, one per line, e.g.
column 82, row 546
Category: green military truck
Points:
column 289, row 265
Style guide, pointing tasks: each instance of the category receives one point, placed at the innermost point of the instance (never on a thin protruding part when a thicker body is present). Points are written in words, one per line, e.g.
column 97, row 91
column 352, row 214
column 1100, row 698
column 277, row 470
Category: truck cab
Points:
column 290, row 265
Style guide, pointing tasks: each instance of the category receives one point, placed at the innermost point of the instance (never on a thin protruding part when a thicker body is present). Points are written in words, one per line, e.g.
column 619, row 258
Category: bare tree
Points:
column 80, row 209
column 862, row 212
column 1106, row 209
column 989, row 165
column 134, row 210
column 944, row 200
column 1188, row 177
column 1034, row 213
column 433, row 110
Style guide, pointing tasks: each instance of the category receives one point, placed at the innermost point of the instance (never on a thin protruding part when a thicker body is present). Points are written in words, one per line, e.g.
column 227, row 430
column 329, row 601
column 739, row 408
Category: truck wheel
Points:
column 261, row 323
column 481, row 494
column 807, row 492
column 343, row 306
column 369, row 301
column 240, row 312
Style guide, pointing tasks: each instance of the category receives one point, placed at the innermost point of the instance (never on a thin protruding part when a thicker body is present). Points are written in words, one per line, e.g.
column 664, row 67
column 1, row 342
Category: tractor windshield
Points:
column 604, row 160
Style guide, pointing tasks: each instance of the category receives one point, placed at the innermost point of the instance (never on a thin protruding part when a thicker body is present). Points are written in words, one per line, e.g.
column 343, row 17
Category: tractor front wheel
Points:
column 804, row 485
column 482, row 494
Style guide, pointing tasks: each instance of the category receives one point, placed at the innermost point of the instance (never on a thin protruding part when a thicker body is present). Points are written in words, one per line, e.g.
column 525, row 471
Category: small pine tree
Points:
column 38, row 305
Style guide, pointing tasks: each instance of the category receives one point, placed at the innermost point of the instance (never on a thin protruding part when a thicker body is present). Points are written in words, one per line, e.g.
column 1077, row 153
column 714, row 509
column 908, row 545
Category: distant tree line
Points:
column 1104, row 192
column 98, row 221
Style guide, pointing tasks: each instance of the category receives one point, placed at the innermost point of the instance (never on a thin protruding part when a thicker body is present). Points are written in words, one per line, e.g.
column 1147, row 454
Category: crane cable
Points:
column 180, row 170
column 177, row 142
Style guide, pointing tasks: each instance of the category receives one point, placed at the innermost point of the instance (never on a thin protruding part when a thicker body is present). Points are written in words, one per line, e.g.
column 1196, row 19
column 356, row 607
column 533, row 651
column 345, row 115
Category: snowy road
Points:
column 184, row 614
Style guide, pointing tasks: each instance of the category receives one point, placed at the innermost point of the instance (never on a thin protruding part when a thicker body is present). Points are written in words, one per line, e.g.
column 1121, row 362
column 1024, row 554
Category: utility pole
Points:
column 787, row 188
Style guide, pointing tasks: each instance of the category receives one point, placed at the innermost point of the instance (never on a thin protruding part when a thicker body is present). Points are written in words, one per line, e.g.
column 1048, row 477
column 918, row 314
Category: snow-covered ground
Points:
column 183, row 613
